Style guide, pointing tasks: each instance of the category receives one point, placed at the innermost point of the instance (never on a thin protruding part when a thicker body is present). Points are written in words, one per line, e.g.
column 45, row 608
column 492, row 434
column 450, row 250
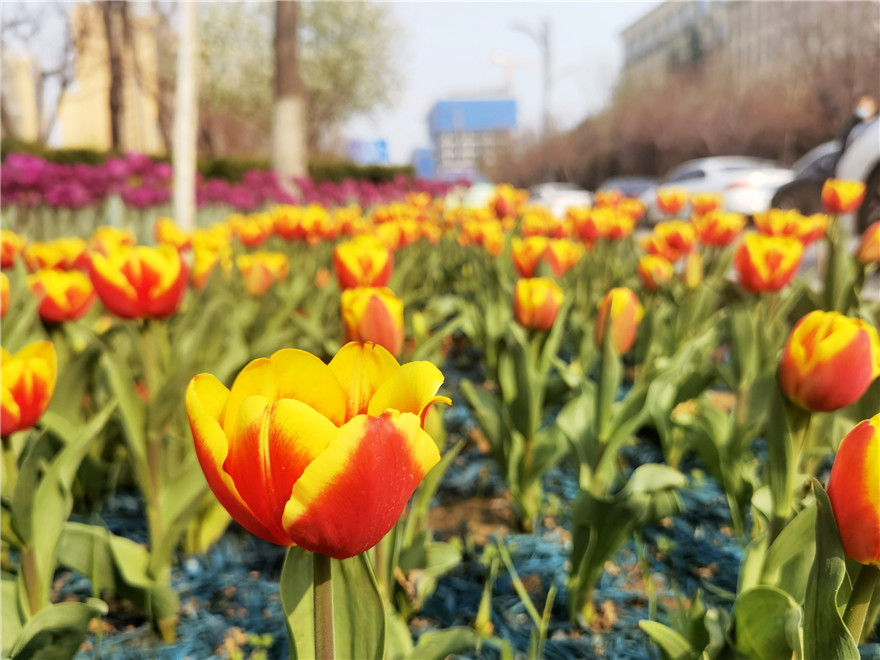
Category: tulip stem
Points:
column 860, row 601
column 324, row 633
column 10, row 463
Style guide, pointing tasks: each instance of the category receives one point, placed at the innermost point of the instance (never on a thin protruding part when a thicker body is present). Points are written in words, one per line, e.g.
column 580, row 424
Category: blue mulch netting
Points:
column 235, row 585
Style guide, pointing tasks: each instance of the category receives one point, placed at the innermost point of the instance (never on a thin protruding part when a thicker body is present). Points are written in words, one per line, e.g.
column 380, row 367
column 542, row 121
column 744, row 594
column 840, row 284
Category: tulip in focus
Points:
column 140, row 282
column 261, row 270
column 27, row 385
column 829, row 361
column 868, row 251
column 854, row 492
column 620, row 312
column 362, row 261
column 767, row 263
column 654, row 271
column 373, row 314
column 671, row 200
column 11, row 246
column 842, row 196
column 536, row 302
column 324, row 456
column 64, row 295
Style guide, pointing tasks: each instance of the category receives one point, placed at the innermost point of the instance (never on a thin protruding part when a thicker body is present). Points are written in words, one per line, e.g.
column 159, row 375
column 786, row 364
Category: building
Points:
column 748, row 38
column 20, row 96
column 84, row 112
column 468, row 135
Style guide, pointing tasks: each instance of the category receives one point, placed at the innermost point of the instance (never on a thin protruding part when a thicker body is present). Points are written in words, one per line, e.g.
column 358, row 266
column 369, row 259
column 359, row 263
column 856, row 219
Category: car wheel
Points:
column 804, row 196
column 869, row 211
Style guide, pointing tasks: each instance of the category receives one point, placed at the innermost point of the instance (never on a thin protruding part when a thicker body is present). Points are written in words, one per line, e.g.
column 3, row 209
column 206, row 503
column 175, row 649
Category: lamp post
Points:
column 542, row 38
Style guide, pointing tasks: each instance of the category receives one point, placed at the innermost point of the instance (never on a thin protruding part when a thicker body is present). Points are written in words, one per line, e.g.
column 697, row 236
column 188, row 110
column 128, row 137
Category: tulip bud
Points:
column 693, row 269
column 526, row 253
column 842, row 196
column 373, row 314
column 653, row 271
column 829, row 361
column 64, row 295
column 621, row 312
column 536, row 302
column 671, row 200
column 869, row 246
column 854, row 492
column 27, row 385
column 767, row 263
column 362, row 261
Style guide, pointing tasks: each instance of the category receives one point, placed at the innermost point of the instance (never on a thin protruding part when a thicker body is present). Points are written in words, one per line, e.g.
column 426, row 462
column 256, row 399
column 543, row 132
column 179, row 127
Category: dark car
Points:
column 804, row 193
column 629, row 186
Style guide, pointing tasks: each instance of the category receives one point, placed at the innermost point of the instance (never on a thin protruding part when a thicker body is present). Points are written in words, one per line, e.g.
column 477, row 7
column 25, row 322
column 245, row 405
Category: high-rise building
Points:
column 470, row 134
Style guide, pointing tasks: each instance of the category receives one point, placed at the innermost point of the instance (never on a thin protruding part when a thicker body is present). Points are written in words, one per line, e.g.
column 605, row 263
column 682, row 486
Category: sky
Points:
column 445, row 52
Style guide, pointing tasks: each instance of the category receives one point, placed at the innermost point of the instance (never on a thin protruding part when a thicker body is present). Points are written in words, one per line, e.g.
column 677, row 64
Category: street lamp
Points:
column 542, row 38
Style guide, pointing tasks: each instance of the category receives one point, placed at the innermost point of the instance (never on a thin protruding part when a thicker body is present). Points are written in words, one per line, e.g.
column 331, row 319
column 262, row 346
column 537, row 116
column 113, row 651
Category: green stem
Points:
column 860, row 600
column 324, row 634
column 10, row 464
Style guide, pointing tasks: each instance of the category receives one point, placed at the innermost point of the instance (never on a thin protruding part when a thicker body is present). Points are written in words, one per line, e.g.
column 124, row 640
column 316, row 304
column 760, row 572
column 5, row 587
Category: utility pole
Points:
column 185, row 119
column 543, row 39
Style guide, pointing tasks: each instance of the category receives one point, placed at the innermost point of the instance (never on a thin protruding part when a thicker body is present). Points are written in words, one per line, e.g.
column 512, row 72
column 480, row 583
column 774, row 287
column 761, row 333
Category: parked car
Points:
column 804, row 192
column 629, row 186
column 747, row 183
column 861, row 162
column 559, row 197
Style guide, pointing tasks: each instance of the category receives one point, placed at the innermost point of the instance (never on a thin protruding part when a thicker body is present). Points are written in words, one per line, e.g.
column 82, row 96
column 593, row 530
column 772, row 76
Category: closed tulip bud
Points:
column 140, row 282
column 654, row 271
column 842, row 196
column 693, row 269
column 767, row 263
column 536, row 302
column 323, row 456
column 11, row 246
column 829, row 361
column 260, row 270
column 362, row 261
column 373, row 314
column 671, row 200
column 27, row 385
column 526, row 253
column 621, row 312
column 869, row 245
column 854, row 492
column 5, row 294
column 64, row 295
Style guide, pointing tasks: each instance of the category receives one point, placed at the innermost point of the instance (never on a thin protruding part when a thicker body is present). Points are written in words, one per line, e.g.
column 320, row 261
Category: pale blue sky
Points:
column 443, row 53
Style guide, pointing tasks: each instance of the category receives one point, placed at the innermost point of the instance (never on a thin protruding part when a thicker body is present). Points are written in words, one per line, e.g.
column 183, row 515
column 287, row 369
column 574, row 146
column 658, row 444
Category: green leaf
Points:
column 439, row 644
column 358, row 607
column 767, row 621
column 10, row 616
column 671, row 643
column 57, row 631
column 825, row 635
column 788, row 561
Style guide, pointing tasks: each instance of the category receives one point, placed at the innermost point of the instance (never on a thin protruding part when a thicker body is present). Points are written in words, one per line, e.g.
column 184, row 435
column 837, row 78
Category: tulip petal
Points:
column 412, row 388
column 10, row 412
column 115, row 291
column 206, row 398
column 351, row 495
column 362, row 368
column 269, row 448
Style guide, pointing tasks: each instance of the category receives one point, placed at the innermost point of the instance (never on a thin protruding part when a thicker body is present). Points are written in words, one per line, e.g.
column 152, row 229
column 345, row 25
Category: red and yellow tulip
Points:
column 252, row 230
column 362, row 261
column 140, row 282
column 654, row 271
column 562, row 254
column 5, row 294
column 324, row 456
column 526, row 253
column 11, row 246
column 829, row 361
column 620, row 312
column 790, row 222
column 703, row 203
column 671, row 200
column 842, row 196
column 373, row 314
column 868, row 251
column 64, row 295
column 767, row 263
column 167, row 232
column 261, row 270
column 27, row 385
column 854, row 492
column 62, row 254
column 607, row 198
column 107, row 239
column 719, row 228
column 672, row 239
column 536, row 302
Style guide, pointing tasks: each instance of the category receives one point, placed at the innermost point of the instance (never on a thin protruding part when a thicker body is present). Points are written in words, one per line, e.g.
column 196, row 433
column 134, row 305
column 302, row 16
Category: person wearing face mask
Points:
column 865, row 109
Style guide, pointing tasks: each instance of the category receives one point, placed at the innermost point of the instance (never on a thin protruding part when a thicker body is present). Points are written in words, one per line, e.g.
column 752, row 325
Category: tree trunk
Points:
column 185, row 119
column 289, row 152
column 112, row 13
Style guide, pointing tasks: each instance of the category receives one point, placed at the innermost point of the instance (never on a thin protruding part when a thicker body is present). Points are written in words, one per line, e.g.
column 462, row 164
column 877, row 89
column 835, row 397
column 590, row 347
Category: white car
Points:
column 861, row 162
column 559, row 197
column 747, row 183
